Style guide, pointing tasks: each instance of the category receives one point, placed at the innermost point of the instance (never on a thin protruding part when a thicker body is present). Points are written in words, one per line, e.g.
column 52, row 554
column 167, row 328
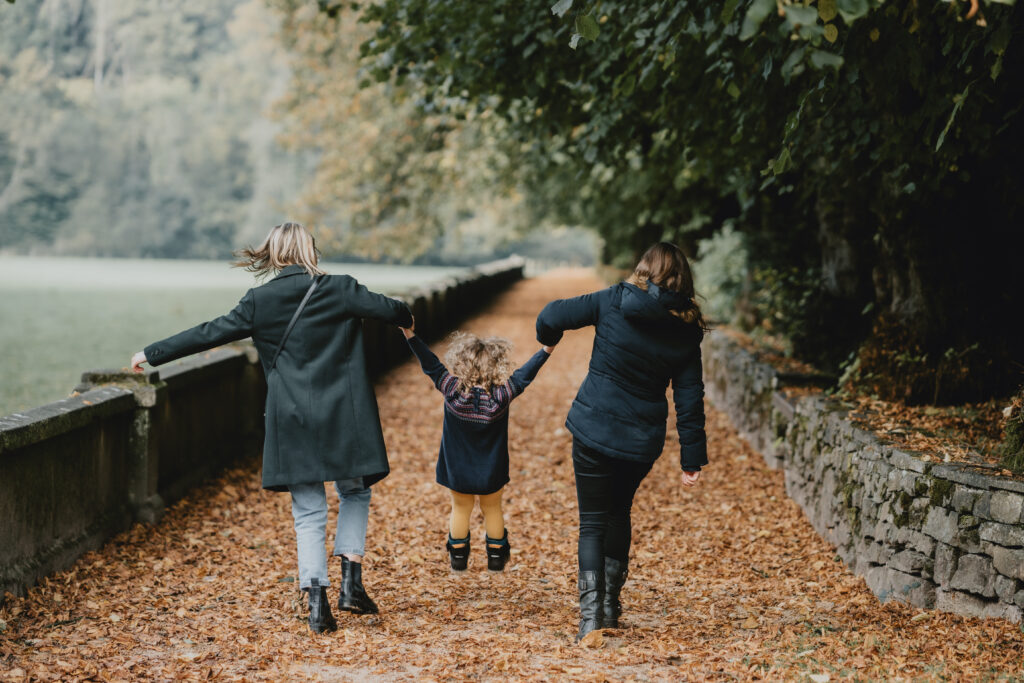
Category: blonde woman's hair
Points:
column 665, row 265
column 287, row 244
column 478, row 361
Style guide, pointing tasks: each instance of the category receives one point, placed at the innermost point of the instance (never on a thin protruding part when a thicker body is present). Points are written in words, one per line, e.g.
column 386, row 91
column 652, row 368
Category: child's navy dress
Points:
column 474, row 440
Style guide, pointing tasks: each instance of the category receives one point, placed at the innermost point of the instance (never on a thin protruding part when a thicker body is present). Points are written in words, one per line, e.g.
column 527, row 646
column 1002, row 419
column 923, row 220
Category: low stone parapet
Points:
column 934, row 534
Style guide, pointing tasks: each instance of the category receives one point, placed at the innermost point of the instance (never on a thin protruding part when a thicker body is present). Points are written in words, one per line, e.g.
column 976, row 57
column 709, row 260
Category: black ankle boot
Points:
column 353, row 597
column 615, row 573
column 459, row 556
column 591, row 585
column 497, row 558
column 320, row 617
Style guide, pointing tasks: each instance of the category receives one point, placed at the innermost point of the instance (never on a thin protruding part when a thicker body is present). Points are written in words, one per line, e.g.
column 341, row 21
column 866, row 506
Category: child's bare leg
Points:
column 458, row 524
column 494, row 520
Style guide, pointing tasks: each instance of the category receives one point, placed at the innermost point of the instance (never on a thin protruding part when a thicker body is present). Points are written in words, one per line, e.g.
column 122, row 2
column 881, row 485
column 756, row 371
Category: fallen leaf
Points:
column 593, row 640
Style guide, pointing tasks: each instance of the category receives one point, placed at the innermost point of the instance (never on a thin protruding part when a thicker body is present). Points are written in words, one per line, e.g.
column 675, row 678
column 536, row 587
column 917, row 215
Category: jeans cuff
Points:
column 349, row 551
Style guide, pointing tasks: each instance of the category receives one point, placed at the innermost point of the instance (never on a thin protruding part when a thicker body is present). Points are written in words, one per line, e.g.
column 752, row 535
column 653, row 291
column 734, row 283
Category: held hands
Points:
column 410, row 331
column 137, row 360
column 548, row 349
column 691, row 478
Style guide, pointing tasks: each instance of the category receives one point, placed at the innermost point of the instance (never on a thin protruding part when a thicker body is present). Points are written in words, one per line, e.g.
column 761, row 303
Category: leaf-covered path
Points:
column 728, row 580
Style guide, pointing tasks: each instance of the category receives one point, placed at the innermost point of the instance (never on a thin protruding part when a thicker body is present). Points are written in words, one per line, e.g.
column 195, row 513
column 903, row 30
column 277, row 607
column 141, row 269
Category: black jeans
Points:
column 604, row 490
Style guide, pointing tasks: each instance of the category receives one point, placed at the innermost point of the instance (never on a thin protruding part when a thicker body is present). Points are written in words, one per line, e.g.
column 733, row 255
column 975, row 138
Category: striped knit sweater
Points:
column 473, row 457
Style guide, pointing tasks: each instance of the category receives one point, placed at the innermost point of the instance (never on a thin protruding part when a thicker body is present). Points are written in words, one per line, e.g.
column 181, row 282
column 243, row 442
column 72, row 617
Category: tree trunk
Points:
column 100, row 56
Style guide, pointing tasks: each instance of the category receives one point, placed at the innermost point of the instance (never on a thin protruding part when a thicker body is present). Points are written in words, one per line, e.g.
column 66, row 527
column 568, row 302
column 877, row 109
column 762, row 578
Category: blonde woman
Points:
column 647, row 334
column 321, row 413
column 473, row 460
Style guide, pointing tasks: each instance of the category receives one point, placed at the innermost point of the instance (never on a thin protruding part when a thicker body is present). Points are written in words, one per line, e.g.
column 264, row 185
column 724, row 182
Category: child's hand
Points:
column 548, row 349
column 691, row 478
column 410, row 331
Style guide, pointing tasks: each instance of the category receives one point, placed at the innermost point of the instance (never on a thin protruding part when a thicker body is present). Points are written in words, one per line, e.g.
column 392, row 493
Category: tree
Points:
column 137, row 129
column 398, row 176
column 865, row 150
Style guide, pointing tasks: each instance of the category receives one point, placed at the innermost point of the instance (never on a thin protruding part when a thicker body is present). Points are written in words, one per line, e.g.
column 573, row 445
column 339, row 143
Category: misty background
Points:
column 143, row 141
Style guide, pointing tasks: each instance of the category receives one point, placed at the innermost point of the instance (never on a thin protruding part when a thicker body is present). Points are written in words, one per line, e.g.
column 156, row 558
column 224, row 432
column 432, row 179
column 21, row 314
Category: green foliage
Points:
column 644, row 126
column 851, row 140
column 403, row 173
column 1013, row 434
column 721, row 269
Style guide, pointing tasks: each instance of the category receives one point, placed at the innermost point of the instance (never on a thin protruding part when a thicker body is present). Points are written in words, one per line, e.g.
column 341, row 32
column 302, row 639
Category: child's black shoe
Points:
column 459, row 556
column 497, row 557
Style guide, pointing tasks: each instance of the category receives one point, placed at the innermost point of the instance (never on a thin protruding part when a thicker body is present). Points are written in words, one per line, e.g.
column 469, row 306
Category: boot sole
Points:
column 357, row 610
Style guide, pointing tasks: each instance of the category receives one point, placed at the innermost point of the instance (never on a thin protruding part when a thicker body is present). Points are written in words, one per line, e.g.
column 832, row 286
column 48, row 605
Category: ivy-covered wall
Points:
column 942, row 535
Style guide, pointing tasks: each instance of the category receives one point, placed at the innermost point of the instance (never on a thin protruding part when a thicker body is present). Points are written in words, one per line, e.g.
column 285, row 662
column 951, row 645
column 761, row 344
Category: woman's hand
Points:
column 137, row 360
column 410, row 331
column 691, row 478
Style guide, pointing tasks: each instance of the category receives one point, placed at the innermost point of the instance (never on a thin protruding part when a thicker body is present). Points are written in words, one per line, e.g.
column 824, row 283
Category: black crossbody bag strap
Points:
column 291, row 323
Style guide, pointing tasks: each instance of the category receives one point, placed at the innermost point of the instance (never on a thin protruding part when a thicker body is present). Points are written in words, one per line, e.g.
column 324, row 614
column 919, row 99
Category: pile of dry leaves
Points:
column 728, row 580
column 969, row 433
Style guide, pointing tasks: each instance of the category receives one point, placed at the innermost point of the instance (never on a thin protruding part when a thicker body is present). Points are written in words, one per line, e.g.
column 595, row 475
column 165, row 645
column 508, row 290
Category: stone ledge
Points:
column 21, row 430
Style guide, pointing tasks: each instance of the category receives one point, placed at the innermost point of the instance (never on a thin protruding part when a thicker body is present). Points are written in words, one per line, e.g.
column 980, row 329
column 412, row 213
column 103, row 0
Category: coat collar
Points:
column 288, row 271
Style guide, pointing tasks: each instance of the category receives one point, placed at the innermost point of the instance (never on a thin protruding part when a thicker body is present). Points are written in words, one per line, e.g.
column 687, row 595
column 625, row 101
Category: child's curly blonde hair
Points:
column 476, row 361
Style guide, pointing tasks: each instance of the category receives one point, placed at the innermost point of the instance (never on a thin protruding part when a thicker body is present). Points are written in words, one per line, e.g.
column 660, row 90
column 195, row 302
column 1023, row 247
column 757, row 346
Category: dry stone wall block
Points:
column 1005, row 588
column 1002, row 534
column 973, row 606
column 974, row 574
column 1008, row 562
column 891, row 584
column 941, row 524
column 945, row 563
column 1007, row 507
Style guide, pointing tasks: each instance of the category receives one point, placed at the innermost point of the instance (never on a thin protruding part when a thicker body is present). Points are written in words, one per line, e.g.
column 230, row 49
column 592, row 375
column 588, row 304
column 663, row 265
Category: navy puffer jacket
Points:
column 639, row 347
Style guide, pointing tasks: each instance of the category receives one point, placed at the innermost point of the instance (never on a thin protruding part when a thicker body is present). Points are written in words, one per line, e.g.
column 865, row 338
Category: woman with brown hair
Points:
column 648, row 331
column 321, row 413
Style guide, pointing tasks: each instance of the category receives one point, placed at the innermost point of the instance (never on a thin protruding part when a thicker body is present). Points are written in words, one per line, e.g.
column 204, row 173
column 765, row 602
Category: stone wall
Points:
column 75, row 472
column 934, row 534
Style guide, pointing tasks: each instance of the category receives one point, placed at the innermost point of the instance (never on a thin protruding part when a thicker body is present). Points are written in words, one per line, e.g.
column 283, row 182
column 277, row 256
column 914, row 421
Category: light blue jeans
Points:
column 309, row 509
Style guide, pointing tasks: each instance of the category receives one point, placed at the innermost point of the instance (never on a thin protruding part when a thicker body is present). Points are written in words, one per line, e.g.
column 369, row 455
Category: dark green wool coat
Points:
column 321, row 415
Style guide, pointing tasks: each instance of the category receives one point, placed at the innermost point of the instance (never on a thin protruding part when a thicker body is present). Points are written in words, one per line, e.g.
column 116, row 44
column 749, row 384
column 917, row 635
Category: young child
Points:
column 473, row 460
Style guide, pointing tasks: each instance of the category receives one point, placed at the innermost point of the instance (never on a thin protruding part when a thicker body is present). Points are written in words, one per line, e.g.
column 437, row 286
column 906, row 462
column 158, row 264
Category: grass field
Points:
column 59, row 317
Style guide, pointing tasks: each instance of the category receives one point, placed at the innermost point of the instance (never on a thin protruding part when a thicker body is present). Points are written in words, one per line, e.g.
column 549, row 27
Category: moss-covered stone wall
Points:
column 942, row 535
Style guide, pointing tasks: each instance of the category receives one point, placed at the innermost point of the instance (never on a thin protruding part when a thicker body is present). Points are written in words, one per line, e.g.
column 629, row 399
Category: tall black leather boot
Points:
column 591, row 585
column 615, row 573
column 320, row 617
column 353, row 597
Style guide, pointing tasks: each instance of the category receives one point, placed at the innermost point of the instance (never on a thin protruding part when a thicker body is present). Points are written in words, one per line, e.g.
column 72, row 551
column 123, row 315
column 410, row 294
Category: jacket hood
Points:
column 654, row 304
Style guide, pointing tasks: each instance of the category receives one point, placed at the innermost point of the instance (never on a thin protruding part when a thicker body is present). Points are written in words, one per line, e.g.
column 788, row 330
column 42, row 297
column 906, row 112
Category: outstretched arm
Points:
column 231, row 327
column 522, row 377
column 367, row 304
column 567, row 314
column 430, row 363
column 688, row 394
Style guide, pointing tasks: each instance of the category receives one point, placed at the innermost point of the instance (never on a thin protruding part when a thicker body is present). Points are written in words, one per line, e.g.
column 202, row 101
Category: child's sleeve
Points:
column 522, row 377
column 432, row 365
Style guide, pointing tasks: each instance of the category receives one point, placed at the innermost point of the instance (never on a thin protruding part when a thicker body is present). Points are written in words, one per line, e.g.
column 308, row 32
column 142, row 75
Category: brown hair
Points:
column 665, row 265
column 286, row 244
column 478, row 361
